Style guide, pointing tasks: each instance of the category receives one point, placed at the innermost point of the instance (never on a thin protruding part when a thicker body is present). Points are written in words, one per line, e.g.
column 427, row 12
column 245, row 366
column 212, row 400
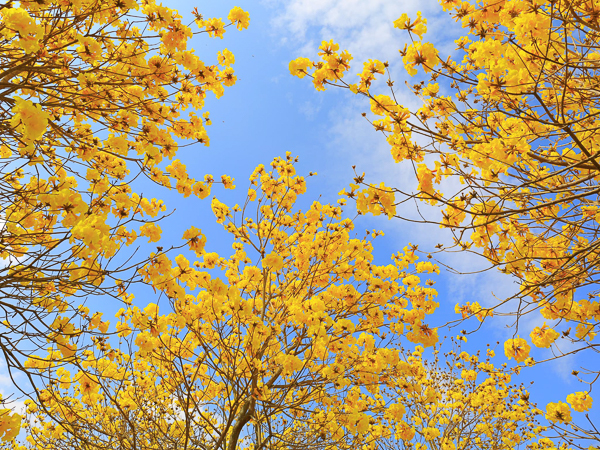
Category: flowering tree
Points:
column 297, row 339
column 271, row 352
column 92, row 97
column 294, row 341
column 515, row 123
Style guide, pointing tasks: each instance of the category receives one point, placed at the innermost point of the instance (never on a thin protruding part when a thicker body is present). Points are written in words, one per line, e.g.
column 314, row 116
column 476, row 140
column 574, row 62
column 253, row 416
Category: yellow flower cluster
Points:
column 10, row 424
column 18, row 22
column 517, row 348
column 331, row 70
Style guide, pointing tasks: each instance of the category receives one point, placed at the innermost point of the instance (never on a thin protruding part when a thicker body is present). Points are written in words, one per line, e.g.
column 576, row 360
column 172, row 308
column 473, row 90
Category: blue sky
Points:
column 269, row 112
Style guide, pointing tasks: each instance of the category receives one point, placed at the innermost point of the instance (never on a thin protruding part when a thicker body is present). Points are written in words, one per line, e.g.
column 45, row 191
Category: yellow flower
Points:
column 226, row 58
column 18, row 20
column 543, row 337
column 216, row 27
column 449, row 4
column 420, row 54
column 411, row 280
column 273, row 261
column 299, row 67
column 227, row 182
column 29, row 119
column 10, row 425
column 123, row 329
column 517, row 348
column 404, row 431
column 418, row 27
column 220, row 210
column 89, row 49
column 403, row 23
column 291, row 364
column 580, row 401
column 431, row 90
column 396, row 410
column 430, row 433
column 228, row 77
column 558, row 412
column 328, row 48
column 151, row 231
column 425, row 177
column 380, row 104
column 201, row 190
column 88, row 384
column 196, row 240
column 67, row 349
column 240, row 17
column 423, row 334
column 210, row 260
column 145, row 342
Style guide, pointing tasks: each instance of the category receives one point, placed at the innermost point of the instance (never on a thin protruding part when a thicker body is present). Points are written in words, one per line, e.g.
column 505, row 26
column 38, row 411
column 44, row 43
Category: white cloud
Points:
column 364, row 28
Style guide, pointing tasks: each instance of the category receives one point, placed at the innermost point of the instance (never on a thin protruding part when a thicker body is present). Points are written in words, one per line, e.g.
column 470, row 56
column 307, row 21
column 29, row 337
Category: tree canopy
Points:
column 93, row 98
column 297, row 345
column 511, row 119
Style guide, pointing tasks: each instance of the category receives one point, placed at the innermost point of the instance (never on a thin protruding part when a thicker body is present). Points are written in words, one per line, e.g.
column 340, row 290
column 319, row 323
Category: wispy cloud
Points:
column 364, row 28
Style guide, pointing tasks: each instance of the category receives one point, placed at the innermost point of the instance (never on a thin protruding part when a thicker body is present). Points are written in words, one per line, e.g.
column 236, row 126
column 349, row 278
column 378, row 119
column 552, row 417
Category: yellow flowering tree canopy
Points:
column 509, row 127
column 295, row 340
column 282, row 339
column 93, row 95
